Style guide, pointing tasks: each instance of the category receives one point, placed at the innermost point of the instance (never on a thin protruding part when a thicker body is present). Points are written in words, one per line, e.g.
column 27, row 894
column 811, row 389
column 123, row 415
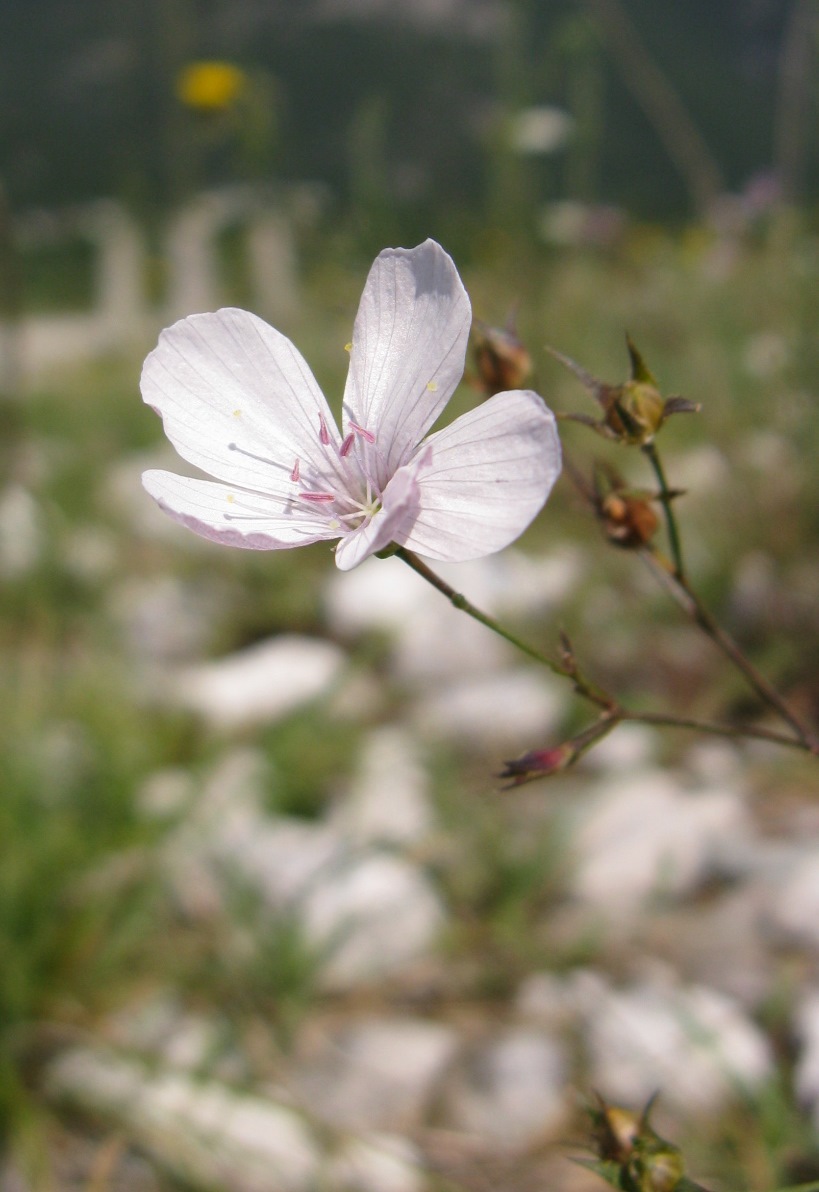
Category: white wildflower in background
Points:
column 239, row 402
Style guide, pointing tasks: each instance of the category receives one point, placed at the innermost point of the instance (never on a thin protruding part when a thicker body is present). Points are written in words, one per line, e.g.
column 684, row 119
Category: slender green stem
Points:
column 666, row 498
column 691, row 603
column 461, row 602
column 613, row 711
column 660, row 720
column 685, row 595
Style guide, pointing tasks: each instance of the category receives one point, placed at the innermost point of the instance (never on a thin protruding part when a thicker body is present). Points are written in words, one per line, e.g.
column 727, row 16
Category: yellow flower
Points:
column 209, row 86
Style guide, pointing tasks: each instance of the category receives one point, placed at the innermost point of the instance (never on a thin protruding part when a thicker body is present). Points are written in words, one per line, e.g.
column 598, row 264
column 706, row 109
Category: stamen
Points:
column 318, row 498
column 324, row 434
column 365, row 434
column 347, row 446
column 294, row 475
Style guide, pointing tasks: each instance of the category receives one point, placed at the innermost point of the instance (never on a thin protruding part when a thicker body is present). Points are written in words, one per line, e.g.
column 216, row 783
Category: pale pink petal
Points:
column 237, row 399
column 408, row 349
column 485, row 478
column 233, row 516
column 399, row 507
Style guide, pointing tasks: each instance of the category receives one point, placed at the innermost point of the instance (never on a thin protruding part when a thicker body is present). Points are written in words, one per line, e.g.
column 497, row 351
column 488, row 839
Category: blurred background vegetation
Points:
column 408, row 99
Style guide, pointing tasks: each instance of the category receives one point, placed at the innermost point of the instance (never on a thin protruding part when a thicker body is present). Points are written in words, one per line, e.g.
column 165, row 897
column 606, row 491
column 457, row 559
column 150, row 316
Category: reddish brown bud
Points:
column 501, row 359
column 539, row 763
column 629, row 521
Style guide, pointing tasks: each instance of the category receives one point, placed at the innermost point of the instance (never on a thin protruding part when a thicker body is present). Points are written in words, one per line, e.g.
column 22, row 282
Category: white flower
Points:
column 238, row 401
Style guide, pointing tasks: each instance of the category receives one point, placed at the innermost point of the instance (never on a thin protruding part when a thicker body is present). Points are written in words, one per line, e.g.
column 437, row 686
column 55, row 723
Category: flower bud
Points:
column 539, row 763
column 627, row 516
column 629, row 521
column 631, row 1155
column 615, row 1131
column 632, row 412
column 635, row 412
column 501, row 359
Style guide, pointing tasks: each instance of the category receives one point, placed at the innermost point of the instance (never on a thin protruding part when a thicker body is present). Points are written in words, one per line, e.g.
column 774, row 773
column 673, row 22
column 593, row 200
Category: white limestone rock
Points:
column 376, row 1163
column 204, row 1132
column 365, row 912
column 21, row 532
column 511, row 710
column 645, row 834
column 693, row 1043
column 376, row 1074
column 162, row 619
column 806, row 1072
column 376, row 916
column 792, row 911
column 511, row 1091
column 432, row 639
column 259, row 684
column 388, row 800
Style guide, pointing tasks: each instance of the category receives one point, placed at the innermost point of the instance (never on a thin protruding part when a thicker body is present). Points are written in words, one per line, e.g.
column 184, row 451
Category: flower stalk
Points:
column 613, row 712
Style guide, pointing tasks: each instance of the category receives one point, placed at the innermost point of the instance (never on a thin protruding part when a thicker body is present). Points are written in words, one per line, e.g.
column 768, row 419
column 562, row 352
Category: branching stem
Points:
column 612, row 711
column 675, row 580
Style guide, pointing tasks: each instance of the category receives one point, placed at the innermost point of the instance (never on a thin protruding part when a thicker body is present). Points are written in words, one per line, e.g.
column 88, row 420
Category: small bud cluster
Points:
column 632, row 1156
column 632, row 412
column 626, row 515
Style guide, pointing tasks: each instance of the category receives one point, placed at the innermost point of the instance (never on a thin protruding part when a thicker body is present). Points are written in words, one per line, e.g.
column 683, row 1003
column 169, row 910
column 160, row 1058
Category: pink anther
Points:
column 347, row 446
column 318, row 498
column 324, row 434
column 365, row 434
column 294, row 475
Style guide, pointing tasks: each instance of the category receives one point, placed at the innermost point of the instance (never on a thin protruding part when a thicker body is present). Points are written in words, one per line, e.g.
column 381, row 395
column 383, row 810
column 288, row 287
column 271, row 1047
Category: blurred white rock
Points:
column 645, row 834
column 546, row 1000
column 693, row 1043
column 629, row 747
column 21, row 532
column 433, row 639
column 205, row 1133
column 430, row 638
column 257, row 685
column 380, row 594
column 376, row 1163
column 160, row 1027
column 375, row 1074
column 510, row 1091
column 365, row 913
column 512, row 583
column 373, row 918
column 388, row 800
column 162, row 618
column 792, row 910
column 512, row 709
column 806, row 1030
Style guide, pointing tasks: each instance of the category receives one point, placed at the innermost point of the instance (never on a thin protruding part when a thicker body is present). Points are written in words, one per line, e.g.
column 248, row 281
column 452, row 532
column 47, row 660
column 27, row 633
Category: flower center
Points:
column 346, row 489
column 341, row 488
